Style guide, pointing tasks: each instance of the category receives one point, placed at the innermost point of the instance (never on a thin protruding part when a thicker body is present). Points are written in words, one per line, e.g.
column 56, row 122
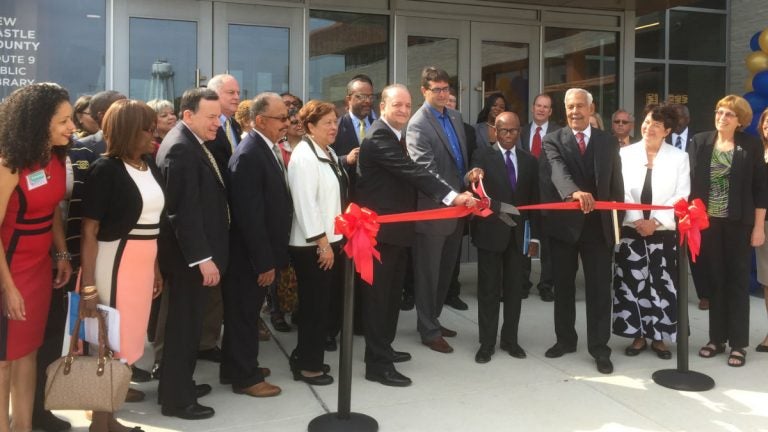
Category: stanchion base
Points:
column 331, row 422
column 685, row 381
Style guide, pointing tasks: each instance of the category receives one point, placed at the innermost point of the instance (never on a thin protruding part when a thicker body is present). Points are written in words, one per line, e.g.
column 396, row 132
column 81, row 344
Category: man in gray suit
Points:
column 436, row 140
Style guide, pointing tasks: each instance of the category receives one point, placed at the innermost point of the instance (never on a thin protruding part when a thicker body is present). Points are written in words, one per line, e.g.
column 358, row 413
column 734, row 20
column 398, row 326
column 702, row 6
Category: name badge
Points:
column 36, row 179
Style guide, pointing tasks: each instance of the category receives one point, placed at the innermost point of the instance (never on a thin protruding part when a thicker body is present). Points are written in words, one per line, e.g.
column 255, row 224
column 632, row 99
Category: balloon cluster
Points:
column 757, row 84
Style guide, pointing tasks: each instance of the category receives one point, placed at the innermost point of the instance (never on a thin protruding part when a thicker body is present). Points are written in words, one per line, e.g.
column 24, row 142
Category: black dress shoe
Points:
column 524, row 294
column 156, row 371
column 546, row 294
column 140, row 375
column 456, row 303
column 513, row 349
column 48, row 422
column 279, row 324
column 391, row 378
column 213, row 355
column 330, row 344
column 400, row 356
column 319, row 380
column 193, row 411
column 407, row 303
column 604, row 365
column 202, row 390
column 484, row 354
column 558, row 350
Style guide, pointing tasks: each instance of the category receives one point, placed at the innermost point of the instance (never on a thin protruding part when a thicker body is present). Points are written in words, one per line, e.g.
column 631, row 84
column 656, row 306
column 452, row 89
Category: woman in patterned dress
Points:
column 122, row 205
column 645, row 301
column 728, row 174
column 35, row 131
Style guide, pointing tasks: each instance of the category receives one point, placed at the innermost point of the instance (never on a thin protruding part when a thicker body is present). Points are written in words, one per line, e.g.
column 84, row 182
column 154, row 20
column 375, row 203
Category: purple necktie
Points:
column 510, row 170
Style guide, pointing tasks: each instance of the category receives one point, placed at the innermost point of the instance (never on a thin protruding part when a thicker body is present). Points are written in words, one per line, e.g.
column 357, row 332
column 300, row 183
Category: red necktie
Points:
column 582, row 144
column 536, row 144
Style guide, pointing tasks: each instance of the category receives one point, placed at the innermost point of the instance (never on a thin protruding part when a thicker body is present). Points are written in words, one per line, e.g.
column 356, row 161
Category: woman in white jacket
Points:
column 645, row 300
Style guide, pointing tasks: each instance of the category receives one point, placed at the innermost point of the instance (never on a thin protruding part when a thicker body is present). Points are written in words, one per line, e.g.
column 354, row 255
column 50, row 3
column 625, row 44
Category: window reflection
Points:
column 342, row 45
column 505, row 70
column 261, row 66
column 696, row 36
column 649, row 36
column 649, row 88
column 426, row 51
column 685, row 87
column 155, row 42
column 70, row 51
column 581, row 58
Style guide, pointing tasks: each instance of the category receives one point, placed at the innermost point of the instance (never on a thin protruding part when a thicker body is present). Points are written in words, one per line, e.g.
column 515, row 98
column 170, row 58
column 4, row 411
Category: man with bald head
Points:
column 388, row 182
column 581, row 163
column 511, row 175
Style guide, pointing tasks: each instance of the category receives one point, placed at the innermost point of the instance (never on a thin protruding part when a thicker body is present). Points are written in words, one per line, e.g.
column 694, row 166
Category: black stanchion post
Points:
column 344, row 420
column 682, row 378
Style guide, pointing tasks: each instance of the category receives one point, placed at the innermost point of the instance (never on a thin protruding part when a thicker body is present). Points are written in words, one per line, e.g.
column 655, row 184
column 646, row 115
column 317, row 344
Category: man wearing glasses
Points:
column 436, row 140
column 621, row 124
column 509, row 175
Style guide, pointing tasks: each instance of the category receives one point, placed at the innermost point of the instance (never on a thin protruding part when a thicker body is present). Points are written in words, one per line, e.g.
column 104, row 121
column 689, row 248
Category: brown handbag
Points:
column 87, row 383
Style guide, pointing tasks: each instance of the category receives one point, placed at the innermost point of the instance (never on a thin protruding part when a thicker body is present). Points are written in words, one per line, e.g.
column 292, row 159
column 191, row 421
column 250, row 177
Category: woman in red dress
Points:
column 35, row 131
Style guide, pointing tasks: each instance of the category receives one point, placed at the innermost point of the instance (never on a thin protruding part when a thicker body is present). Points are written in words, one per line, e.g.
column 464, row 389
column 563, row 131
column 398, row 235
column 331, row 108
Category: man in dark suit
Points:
column 194, row 248
column 531, row 137
column 582, row 164
column 510, row 175
column 436, row 141
column 98, row 106
column 227, row 138
column 261, row 224
column 682, row 138
column 388, row 183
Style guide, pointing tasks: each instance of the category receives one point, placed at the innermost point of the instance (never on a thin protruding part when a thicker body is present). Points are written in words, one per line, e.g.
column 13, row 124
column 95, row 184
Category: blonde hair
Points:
column 740, row 106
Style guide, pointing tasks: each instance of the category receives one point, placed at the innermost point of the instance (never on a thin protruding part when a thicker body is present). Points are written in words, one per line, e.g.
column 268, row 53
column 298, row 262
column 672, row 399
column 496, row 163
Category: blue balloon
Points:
column 760, row 83
column 752, row 128
column 757, row 101
column 754, row 43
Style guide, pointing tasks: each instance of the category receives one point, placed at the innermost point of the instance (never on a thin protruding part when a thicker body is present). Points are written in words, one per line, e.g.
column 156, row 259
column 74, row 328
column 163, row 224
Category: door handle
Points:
column 481, row 89
column 200, row 79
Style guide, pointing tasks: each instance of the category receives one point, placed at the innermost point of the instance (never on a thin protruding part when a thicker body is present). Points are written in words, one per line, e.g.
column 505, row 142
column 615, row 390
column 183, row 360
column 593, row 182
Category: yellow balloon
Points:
column 763, row 40
column 748, row 84
column 757, row 61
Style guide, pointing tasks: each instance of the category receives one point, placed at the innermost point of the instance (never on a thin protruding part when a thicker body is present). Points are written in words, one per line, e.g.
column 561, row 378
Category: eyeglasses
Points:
column 294, row 122
column 281, row 119
column 438, row 90
column 726, row 114
column 504, row 131
column 85, row 112
column 363, row 97
column 621, row 122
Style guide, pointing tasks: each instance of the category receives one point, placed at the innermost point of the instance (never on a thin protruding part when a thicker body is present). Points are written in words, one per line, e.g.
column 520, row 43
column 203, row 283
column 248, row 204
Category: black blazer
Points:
column 471, row 140
column 388, row 180
column 688, row 146
column 112, row 197
column 220, row 147
column 561, row 173
column 195, row 201
column 262, row 209
column 346, row 137
column 95, row 142
column 490, row 233
column 525, row 134
column 748, row 188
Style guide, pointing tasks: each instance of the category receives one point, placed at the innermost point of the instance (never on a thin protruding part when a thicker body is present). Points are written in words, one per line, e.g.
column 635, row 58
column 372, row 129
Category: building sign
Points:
column 19, row 50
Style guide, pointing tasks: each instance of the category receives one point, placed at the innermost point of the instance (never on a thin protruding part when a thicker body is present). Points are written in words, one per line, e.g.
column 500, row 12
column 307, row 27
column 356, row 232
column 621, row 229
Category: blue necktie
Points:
column 511, row 170
column 453, row 139
column 679, row 142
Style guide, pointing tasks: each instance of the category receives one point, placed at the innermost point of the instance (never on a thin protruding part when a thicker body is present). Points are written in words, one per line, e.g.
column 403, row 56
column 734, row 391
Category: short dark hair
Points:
column 81, row 104
column 124, row 122
column 101, row 101
column 358, row 78
column 260, row 103
column 433, row 74
column 25, row 125
column 664, row 113
column 313, row 111
column 190, row 100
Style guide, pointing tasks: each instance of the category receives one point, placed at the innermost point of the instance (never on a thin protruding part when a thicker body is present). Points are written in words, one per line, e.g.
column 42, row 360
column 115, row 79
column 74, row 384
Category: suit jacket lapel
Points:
column 203, row 153
column 438, row 128
column 570, row 150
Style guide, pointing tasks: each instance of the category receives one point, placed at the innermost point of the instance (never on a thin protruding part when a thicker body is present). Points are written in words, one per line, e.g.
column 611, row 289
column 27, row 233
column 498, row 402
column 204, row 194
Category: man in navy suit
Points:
column 261, row 224
column 510, row 174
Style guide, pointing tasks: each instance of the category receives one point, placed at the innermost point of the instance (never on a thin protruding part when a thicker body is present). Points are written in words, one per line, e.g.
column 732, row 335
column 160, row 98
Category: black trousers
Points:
column 184, row 325
column 545, row 279
column 596, row 260
column 494, row 270
column 700, row 280
column 50, row 350
column 725, row 255
column 243, row 299
column 381, row 306
column 316, row 288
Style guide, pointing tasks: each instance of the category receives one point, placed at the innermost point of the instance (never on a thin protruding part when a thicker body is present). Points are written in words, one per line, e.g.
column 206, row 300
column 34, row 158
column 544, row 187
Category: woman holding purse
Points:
column 122, row 206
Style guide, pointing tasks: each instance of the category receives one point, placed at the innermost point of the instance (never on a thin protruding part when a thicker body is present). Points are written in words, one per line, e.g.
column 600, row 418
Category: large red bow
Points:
column 692, row 218
column 359, row 227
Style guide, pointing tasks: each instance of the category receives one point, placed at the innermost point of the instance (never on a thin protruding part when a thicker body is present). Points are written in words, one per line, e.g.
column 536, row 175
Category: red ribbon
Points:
column 360, row 227
column 691, row 220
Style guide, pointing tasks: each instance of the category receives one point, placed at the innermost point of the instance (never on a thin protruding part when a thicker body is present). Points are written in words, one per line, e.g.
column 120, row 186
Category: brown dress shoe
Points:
column 439, row 345
column 134, row 395
column 444, row 332
column 704, row 304
column 262, row 389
